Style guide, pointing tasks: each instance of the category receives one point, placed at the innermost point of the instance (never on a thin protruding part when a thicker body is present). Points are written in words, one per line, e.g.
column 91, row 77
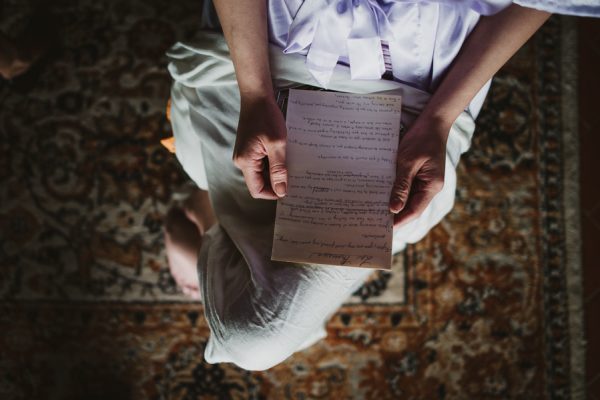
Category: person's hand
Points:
column 420, row 169
column 259, row 150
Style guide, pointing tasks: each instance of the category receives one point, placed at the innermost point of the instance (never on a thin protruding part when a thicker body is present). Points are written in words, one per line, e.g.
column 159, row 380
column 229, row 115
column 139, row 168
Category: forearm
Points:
column 491, row 43
column 244, row 24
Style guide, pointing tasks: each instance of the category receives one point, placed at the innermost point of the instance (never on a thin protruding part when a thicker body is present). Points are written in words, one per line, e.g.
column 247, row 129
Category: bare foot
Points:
column 182, row 242
column 184, row 228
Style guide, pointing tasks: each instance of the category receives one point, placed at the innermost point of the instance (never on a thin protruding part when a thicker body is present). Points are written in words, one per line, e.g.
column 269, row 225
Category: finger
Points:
column 402, row 186
column 255, row 181
column 277, row 169
column 417, row 203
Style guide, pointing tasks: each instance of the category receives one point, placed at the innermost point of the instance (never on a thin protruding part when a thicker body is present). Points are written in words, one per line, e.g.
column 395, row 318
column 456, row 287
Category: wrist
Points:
column 256, row 88
column 257, row 100
column 433, row 125
column 442, row 113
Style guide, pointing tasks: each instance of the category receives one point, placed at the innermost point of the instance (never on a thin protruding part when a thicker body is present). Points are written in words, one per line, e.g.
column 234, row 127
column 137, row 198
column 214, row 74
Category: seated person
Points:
column 226, row 123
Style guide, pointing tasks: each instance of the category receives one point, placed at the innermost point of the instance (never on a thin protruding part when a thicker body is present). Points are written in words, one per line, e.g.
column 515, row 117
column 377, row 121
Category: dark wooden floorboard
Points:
column 589, row 126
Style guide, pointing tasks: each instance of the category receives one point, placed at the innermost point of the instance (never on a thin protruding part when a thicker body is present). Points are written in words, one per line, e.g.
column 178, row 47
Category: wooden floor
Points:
column 589, row 127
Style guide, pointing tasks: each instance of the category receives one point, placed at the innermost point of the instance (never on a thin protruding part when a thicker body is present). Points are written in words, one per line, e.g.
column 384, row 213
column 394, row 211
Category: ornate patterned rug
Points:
column 484, row 307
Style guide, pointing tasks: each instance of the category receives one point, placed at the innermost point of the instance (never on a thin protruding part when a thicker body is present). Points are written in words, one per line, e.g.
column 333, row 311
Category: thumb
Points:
column 277, row 168
column 401, row 188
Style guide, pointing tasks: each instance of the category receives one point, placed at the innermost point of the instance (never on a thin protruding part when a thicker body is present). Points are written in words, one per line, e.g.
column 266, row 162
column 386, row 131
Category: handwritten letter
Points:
column 341, row 159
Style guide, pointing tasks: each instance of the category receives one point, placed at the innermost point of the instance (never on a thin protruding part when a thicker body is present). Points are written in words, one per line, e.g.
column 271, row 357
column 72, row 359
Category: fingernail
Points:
column 396, row 205
column 280, row 189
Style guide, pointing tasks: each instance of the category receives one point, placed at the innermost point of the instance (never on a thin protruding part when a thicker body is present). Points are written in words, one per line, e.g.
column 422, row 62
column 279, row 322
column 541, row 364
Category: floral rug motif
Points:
column 476, row 310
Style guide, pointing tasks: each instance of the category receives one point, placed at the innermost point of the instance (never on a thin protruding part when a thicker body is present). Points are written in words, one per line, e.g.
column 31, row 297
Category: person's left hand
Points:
column 420, row 169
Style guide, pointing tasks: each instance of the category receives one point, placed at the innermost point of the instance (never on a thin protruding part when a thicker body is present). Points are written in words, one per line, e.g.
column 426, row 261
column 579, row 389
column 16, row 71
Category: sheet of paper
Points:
column 341, row 159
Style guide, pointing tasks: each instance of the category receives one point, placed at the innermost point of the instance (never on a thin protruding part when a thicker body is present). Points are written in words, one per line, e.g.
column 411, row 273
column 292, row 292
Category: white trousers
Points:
column 259, row 311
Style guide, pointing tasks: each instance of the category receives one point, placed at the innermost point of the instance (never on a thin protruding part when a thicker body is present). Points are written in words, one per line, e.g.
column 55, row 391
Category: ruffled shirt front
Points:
column 423, row 36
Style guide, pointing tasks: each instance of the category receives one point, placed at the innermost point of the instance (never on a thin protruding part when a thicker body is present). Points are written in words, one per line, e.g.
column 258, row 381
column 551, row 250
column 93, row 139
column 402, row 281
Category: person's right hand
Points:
column 259, row 150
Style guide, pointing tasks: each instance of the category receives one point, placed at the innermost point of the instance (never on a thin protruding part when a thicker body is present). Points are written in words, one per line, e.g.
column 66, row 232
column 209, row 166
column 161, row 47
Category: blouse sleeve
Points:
column 583, row 8
column 483, row 7
column 587, row 8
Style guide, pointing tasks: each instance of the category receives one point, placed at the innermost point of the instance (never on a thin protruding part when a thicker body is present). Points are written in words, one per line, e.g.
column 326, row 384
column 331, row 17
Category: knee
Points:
column 259, row 353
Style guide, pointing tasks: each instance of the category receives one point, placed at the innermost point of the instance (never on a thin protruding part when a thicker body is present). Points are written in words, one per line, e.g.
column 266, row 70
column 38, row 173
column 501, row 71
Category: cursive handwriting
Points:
column 341, row 158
